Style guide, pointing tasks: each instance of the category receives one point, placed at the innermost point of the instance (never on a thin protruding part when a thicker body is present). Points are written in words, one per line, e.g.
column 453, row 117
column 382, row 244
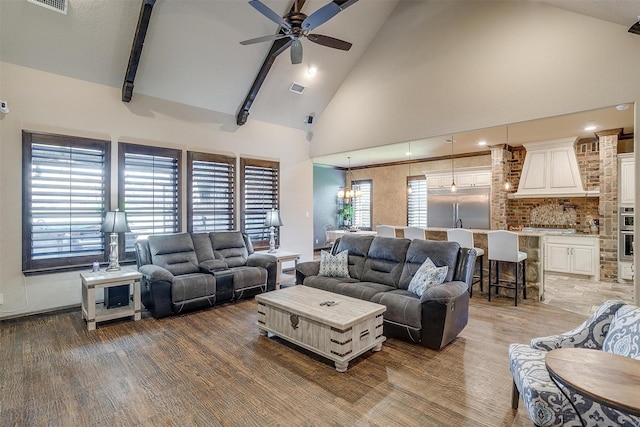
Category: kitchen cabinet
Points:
column 464, row 178
column 625, row 271
column 573, row 255
column 627, row 186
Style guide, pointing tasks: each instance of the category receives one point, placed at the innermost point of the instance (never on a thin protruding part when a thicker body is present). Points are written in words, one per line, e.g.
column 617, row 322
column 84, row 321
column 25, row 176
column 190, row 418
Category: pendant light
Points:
column 453, row 181
column 409, row 189
column 507, row 183
column 348, row 192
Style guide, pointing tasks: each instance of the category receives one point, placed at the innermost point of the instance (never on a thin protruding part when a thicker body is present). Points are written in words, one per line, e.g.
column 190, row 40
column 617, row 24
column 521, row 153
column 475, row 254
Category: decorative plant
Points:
column 346, row 213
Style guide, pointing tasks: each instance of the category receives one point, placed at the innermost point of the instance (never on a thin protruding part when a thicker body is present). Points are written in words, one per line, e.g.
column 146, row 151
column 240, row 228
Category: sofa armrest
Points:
column 306, row 269
column 444, row 292
column 212, row 265
column 268, row 262
column 590, row 334
column 155, row 273
column 464, row 266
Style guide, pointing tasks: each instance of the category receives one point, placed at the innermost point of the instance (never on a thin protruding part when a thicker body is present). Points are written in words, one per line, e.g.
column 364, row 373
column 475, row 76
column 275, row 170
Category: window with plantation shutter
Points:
column 211, row 186
column 149, row 191
column 417, row 201
column 362, row 205
column 65, row 196
column 260, row 193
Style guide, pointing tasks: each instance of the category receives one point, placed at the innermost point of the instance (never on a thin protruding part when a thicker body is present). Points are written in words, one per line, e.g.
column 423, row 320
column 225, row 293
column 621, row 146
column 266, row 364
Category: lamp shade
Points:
column 115, row 222
column 273, row 218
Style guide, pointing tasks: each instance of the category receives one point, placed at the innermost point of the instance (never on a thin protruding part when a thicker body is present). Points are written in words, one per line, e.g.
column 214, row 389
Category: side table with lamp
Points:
column 115, row 222
column 273, row 220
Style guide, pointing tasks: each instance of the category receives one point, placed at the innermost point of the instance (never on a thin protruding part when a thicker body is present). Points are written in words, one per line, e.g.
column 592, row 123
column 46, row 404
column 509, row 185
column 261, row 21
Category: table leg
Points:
column 91, row 308
column 137, row 309
column 378, row 347
column 341, row 366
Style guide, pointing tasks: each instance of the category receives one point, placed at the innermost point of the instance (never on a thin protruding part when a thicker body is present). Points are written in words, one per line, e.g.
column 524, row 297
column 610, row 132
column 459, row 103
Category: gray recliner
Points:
column 186, row 271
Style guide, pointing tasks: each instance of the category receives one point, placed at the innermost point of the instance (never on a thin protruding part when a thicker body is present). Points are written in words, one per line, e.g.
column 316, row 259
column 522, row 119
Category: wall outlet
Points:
column 316, row 241
column 1, row 299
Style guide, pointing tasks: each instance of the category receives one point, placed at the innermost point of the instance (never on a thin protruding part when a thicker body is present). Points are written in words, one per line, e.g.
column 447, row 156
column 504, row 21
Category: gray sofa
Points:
column 186, row 271
column 380, row 269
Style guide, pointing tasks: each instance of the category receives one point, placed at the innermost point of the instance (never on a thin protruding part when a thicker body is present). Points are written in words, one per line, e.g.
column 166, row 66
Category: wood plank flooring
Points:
column 211, row 368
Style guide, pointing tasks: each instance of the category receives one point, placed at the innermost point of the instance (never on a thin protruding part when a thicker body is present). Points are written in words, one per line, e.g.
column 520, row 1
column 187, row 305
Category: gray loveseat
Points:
column 380, row 269
column 186, row 271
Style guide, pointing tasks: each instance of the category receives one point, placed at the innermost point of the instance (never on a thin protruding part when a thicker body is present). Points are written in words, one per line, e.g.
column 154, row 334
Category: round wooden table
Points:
column 606, row 378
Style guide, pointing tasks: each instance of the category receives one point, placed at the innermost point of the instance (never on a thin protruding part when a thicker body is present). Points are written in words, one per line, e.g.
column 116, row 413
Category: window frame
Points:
column 194, row 156
column 146, row 150
column 244, row 163
column 409, row 180
column 360, row 183
column 46, row 265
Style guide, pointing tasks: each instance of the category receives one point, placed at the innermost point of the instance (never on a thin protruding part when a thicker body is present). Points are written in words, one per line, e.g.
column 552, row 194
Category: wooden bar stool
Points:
column 503, row 246
column 465, row 240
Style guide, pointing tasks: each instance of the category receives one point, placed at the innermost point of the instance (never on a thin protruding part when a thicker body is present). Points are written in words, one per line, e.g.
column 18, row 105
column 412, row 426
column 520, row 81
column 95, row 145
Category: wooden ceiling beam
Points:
column 136, row 49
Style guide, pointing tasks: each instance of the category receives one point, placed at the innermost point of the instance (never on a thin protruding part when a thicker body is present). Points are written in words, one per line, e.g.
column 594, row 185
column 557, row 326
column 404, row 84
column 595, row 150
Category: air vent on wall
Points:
column 297, row 88
column 56, row 5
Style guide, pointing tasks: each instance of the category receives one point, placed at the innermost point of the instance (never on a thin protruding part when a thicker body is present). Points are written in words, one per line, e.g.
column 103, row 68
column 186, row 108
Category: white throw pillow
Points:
column 334, row 265
column 428, row 275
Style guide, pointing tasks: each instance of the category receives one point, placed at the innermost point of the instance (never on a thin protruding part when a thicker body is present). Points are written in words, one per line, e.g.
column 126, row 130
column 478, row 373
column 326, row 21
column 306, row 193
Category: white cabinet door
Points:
column 582, row 260
column 558, row 258
column 465, row 180
column 434, row 181
column 482, row 179
column 627, row 182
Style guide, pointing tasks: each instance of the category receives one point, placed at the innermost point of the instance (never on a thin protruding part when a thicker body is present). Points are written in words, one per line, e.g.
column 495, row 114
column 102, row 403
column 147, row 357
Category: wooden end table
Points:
column 283, row 256
column 93, row 312
column 606, row 378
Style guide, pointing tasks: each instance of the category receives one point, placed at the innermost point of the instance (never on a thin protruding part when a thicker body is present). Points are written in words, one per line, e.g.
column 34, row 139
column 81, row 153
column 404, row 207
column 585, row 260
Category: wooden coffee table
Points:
column 335, row 326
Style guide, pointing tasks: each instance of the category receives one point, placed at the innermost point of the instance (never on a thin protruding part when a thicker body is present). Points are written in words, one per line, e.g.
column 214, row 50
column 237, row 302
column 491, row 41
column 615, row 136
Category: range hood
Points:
column 551, row 170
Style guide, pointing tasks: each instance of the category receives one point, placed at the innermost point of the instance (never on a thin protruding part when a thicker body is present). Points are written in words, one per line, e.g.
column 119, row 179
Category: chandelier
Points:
column 349, row 191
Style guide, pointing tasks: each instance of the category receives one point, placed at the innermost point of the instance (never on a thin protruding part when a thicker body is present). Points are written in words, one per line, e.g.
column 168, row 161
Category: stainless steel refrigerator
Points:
column 467, row 207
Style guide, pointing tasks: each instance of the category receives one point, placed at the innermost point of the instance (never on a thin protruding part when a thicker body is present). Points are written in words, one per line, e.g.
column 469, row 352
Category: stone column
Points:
column 499, row 169
column 608, row 206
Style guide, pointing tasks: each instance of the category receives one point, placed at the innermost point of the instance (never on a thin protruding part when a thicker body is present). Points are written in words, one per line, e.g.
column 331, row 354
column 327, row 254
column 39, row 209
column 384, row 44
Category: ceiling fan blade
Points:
column 320, row 16
column 329, row 41
column 296, row 51
column 263, row 9
column 264, row 39
column 346, row 4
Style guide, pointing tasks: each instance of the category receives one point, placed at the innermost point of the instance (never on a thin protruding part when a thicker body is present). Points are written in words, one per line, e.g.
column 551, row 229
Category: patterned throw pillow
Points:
column 428, row 275
column 334, row 265
column 623, row 337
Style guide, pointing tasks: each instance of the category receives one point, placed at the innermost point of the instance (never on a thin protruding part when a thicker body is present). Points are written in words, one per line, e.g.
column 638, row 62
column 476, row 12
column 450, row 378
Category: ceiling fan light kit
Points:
column 296, row 25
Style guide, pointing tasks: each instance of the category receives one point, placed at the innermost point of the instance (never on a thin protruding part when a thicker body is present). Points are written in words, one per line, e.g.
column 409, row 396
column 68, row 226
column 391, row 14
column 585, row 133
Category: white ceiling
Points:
column 192, row 56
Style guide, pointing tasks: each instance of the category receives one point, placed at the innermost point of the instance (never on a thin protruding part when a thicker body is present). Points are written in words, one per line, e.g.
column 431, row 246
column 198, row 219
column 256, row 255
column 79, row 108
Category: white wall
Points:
column 44, row 102
column 438, row 68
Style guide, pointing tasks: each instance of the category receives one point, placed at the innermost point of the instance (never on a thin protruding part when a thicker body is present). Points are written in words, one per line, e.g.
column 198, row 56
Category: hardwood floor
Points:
column 211, row 368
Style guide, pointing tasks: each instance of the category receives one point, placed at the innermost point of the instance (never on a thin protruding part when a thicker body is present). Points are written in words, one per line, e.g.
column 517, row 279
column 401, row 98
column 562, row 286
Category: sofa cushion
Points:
column 334, row 265
column 248, row 277
column 428, row 275
column 229, row 246
column 442, row 253
column 191, row 286
column 358, row 247
column 202, row 246
column 328, row 284
column 174, row 252
column 385, row 260
column 623, row 337
column 403, row 307
column 212, row 265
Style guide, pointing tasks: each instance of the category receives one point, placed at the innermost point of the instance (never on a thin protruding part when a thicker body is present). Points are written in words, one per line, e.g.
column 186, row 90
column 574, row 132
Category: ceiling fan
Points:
column 296, row 25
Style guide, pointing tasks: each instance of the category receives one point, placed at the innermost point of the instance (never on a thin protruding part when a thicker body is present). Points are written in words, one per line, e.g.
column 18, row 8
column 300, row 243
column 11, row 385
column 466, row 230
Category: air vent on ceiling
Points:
column 297, row 88
column 56, row 5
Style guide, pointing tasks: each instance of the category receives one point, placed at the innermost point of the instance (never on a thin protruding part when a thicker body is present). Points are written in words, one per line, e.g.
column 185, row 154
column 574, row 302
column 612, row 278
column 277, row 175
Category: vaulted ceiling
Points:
column 192, row 53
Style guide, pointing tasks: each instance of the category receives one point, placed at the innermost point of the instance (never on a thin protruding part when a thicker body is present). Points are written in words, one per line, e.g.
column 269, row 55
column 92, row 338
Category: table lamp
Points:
column 272, row 221
column 114, row 222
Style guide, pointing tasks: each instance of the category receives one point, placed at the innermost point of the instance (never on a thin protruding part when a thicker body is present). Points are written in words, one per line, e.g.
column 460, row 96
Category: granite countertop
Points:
column 524, row 233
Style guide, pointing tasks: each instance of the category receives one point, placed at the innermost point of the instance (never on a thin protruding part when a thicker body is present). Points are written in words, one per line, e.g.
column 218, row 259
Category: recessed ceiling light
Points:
column 622, row 107
column 408, row 153
column 312, row 70
column 482, row 142
column 590, row 127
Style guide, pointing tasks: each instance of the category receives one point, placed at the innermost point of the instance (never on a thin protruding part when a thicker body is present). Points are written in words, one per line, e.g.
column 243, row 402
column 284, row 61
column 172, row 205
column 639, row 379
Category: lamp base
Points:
column 272, row 240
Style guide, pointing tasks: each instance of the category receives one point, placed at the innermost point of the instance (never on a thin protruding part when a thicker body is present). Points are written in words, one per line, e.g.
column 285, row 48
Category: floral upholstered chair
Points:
column 615, row 328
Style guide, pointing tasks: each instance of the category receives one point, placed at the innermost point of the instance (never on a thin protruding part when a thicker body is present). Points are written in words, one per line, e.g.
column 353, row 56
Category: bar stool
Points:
column 503, row 247
column 386, row 231
column 465, row 240
column 415, row 233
